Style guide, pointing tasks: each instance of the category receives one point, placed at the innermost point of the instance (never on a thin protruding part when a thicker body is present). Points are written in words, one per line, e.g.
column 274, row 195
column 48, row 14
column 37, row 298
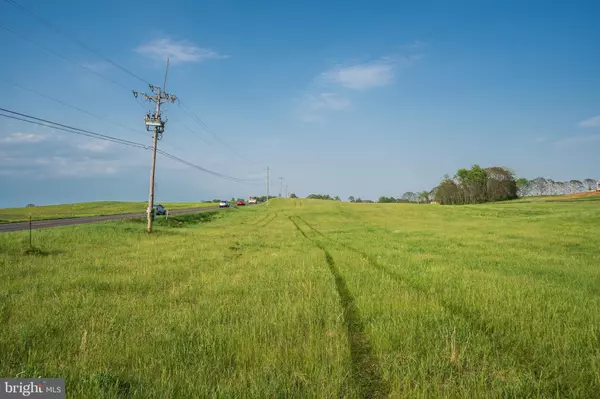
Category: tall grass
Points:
column 312, row 298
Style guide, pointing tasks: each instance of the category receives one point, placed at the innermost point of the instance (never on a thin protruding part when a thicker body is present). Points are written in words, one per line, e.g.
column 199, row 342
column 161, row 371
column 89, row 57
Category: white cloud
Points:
column 95, row 146
column 313, row 106
column 577, row 140
column 177, row 50
column 591, row 122
column 19, row 137
column 363, row 76
column 330, row 90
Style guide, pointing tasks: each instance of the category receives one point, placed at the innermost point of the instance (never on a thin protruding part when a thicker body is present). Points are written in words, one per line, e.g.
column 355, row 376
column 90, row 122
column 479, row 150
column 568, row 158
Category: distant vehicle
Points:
column 252, row 201
column 241, row 203
column 223, row 204
column 159, row 210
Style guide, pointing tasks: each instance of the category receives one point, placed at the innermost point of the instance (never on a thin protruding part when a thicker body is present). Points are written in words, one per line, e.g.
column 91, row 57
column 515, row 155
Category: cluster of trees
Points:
column 423, row 197
column 541, row 186
column 324, row 197
column 359, row 200
column 477, row 185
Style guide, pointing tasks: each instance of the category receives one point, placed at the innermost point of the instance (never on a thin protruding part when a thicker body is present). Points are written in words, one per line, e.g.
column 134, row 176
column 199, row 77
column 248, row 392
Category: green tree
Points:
column 292, row 195
column 351, row 198
column 410, row 196
column 424, row 197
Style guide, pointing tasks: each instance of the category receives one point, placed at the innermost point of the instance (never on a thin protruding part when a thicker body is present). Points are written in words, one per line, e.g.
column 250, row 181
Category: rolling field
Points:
column 309, row 298
column 82, row 209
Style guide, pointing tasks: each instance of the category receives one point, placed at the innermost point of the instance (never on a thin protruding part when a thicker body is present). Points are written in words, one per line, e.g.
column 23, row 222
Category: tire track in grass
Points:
column 269, row 221
column 496, row 336
column 259, row 221
column 366, row 372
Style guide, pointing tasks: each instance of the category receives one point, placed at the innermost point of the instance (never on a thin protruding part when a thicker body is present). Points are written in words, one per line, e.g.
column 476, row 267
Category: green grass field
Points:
column 82, row 209
column 312, row 299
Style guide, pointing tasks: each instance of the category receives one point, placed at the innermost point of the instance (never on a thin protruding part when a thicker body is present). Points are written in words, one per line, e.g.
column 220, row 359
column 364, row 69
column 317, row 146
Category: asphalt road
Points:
column 41, row 224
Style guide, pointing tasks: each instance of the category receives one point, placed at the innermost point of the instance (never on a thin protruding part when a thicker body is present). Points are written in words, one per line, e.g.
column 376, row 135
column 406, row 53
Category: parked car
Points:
column 252, row 201
column 241, row 203
column 223, row 204
column 159, row 210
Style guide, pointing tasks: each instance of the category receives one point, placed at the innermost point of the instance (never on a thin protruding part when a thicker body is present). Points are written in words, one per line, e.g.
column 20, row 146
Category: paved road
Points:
column 40, row 224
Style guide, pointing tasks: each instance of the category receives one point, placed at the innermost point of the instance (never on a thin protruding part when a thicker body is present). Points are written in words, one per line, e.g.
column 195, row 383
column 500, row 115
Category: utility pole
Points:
column 267, row 185
column 154, row 120
column 286, row 190
column 280, row 186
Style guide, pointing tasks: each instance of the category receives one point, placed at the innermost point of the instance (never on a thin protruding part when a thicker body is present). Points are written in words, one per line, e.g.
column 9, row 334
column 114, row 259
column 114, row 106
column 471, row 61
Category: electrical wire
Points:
column 71, row 106
column 70, row 129
column 62, row 56
column 212, row 132
column 72, row 38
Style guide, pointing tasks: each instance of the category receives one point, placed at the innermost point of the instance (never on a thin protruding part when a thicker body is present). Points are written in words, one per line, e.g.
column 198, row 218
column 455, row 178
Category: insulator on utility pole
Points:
column 154, row 122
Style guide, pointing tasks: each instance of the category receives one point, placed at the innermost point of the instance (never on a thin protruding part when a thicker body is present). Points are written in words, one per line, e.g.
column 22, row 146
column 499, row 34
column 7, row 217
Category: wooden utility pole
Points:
column 154, row 120
column 267, row 185
column 280, row 187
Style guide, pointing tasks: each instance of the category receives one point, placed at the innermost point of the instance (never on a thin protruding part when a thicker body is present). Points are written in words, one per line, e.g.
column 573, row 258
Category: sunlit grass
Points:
column 312, row 298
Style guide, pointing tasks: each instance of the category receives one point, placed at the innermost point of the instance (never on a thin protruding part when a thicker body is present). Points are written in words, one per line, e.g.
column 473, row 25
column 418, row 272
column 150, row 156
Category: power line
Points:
column 62, row 56
column 71, row 106
column 71, row 129
column 237, row 180
column 72, row 38
column 212, row 132
column 90, row 113
column 60, row 126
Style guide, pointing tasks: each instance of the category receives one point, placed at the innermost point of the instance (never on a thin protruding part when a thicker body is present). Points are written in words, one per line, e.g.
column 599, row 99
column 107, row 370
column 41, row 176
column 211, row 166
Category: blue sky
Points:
column 341, row 97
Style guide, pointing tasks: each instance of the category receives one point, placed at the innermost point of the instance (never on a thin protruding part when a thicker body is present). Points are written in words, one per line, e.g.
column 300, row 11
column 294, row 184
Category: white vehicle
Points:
column 223, row 204
column 252, row 201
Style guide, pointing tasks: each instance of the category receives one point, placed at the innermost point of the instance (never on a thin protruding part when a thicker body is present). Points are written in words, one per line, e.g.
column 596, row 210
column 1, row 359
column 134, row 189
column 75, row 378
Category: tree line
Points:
column 541, row 186
column 497, row 183
column 476, row 185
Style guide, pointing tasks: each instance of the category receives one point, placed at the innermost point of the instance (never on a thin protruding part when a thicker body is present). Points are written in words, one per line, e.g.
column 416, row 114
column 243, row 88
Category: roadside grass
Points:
column 312, row 298
column 83, row 209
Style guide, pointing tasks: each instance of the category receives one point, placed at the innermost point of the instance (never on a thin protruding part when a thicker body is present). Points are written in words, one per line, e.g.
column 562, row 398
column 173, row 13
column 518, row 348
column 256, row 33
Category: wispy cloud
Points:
column 370, row 74
column 331, row 90
column 16, row 138
column 313, row 106
column 95, row 146
column 178, row 51
column 580, row 140
column 591, row 122
column 361, row 77
column 50, row 155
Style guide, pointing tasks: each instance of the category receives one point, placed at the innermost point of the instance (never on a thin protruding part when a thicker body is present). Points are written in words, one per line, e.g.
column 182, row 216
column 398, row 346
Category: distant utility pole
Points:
column 267, row 185
column 286, row 190
column 280, row 186
column 155, row 121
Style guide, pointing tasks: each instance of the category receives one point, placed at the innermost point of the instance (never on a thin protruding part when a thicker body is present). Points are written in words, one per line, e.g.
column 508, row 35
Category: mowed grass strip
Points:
column 497, row 300
column 83, row 209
